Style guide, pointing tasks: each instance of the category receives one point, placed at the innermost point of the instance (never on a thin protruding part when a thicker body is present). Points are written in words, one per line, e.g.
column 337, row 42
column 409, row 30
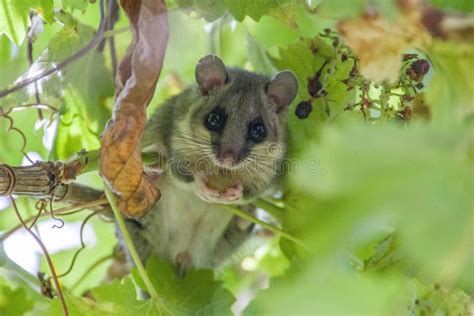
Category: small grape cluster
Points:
column 316, row 85
column 399, row 101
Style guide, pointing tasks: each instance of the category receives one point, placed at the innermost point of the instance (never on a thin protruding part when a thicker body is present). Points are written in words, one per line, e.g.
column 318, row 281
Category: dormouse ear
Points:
column 282, row 89
column 210, row 73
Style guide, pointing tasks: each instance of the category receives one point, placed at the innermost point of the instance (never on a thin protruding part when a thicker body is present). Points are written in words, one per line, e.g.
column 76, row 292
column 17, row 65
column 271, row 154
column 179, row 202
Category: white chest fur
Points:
column 184, row 223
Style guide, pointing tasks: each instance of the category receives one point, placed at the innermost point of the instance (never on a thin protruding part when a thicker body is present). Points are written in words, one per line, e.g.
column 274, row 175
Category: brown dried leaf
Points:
column 380, row 43
column 120, row 159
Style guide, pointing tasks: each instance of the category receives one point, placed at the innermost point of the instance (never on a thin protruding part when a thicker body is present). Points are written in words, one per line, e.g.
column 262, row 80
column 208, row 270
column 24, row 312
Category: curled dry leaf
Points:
column 380, row 43
column 120, row 159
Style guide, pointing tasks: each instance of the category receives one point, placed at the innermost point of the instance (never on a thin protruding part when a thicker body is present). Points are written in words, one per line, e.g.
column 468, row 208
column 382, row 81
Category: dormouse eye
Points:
column 215, row 120
column 257, row 132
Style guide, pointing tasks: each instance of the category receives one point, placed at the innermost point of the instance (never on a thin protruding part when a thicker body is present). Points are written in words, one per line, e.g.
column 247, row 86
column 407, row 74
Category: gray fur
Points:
column 181, row 221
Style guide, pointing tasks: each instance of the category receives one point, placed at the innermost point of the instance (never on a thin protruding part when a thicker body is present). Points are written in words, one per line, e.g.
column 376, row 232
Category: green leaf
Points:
column 386, row 255
column 461, row 5
column 76, row 306
column 45, row 8
column 327, row 290
column 451, row 91
column 258, row 57
column 210, row 10
column 14, row 16
column 437, row 300
column 14, row 302
column 80, row 5
column 117, row 298
column 85, row 88
column 338, row 9
column 196, row 293
column 104, row 244
column 385, row 175
column 120, row 298
column 306, row 58
column 254, row 9
column 13, row 62
column 12, row 141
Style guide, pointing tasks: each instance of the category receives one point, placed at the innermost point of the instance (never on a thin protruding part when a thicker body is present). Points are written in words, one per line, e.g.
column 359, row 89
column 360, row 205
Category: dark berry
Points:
column 343, row 57
column 314, row 85
column 303, row 109
column 407, row 97
column 420, row 67
column 419, row 85
column 406, row 113
column 335, row 42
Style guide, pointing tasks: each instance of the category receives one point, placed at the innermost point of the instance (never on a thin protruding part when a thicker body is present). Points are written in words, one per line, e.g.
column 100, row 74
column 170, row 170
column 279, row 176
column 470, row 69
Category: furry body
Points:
column 221, row 142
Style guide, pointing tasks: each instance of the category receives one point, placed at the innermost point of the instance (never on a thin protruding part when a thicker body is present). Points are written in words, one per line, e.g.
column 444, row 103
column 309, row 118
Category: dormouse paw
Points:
column 231, row 194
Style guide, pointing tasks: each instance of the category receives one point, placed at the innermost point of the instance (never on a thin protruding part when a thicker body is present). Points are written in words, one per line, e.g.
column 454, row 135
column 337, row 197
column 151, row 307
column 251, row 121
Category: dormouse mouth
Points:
column 227, row 164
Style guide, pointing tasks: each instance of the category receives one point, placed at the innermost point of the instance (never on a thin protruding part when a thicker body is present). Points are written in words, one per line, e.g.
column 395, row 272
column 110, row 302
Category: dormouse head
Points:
column 239, row 124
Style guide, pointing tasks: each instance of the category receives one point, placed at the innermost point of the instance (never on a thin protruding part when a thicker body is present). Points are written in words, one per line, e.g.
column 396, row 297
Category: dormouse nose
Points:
column 227, row 156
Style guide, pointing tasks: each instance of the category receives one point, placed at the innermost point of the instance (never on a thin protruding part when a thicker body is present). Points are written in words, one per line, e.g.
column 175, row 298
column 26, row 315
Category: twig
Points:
column 274, row 229
column 83, row 245
column 40, row 207
column 76, row 56
column 60, row 212
column 131, row 247
column 47, row 256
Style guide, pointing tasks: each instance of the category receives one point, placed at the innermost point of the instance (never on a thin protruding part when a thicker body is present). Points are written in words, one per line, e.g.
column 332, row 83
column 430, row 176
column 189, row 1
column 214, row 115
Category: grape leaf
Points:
column 12, row 141
column 305, row 58
column 14, row 302
column 437, row 300
column 80, row 5
column 14, row 16
column 258, row 57
column 321, row 289
column 82, row 90
column 196, row 293
column 386, row 255
column 365, row 180
column 211, row 10
column 254, row 9
column 12, row 64
column 338, row 9
column 120, row 298
column 462, row 5
column 364, row 189
column 117, row 298
column 451, row 91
